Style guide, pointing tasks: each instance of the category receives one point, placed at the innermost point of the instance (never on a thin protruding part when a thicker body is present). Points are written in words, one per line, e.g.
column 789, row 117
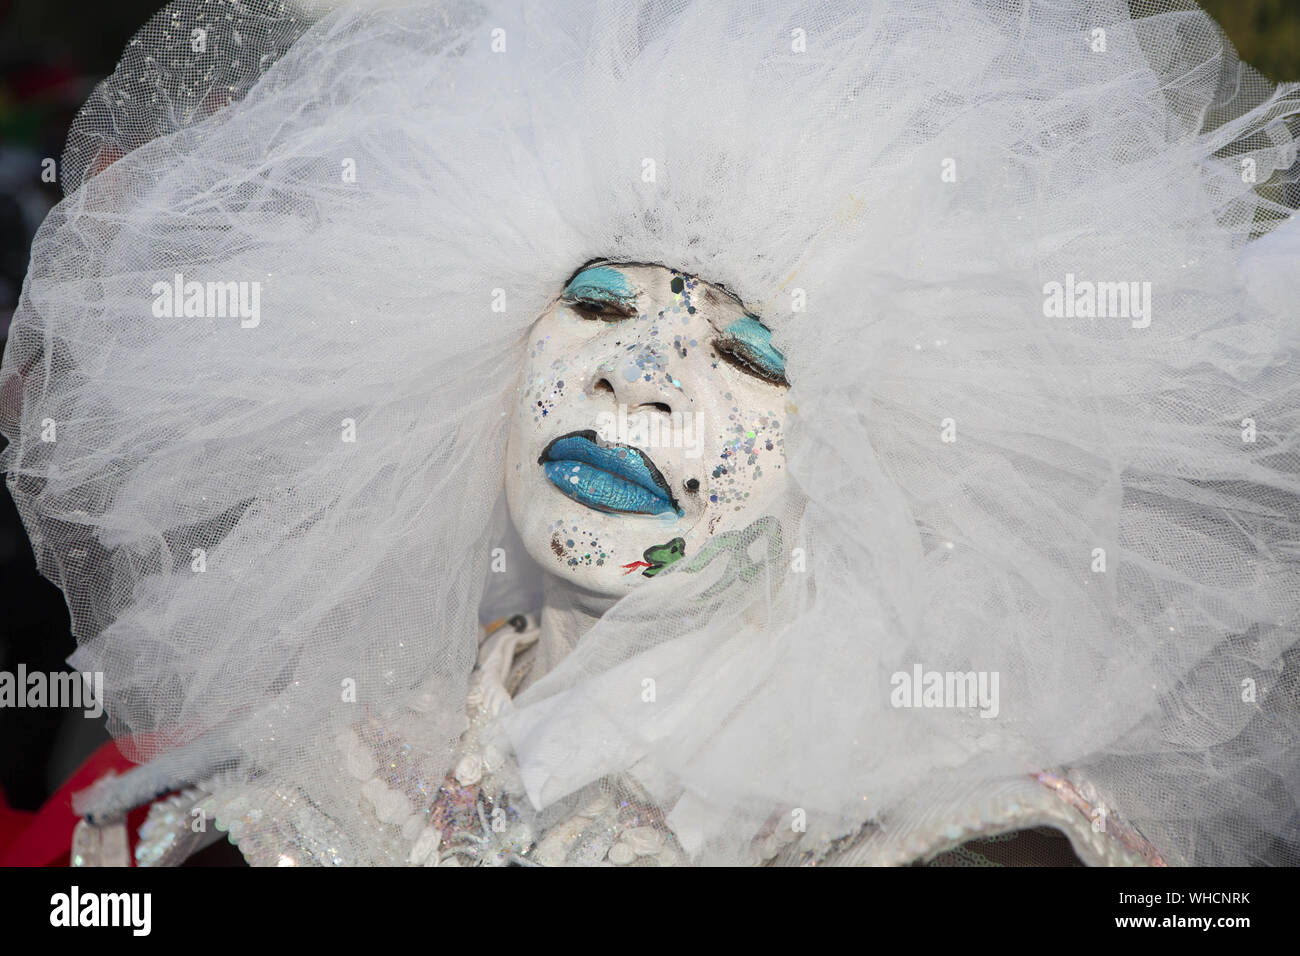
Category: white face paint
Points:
column 648, row 418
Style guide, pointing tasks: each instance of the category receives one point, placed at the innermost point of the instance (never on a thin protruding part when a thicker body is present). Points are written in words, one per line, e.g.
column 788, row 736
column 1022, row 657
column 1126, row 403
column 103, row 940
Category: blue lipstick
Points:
column 606, row 476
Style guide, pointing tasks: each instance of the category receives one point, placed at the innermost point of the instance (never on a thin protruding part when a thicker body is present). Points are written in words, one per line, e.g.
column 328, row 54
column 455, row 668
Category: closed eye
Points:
column 606, row 311
column 739, row 356
column 747, row 345
column 601, row 292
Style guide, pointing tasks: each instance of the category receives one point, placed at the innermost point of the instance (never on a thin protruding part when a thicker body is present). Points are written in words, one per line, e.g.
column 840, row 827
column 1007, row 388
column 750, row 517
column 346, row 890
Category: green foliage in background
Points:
column 1266, row 33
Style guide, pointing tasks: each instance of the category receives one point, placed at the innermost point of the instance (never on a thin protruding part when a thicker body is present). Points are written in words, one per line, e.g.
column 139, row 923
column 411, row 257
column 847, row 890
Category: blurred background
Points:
column 51, row 57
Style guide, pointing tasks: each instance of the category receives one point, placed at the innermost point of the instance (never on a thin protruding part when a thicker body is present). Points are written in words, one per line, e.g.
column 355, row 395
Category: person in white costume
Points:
column 874, row 423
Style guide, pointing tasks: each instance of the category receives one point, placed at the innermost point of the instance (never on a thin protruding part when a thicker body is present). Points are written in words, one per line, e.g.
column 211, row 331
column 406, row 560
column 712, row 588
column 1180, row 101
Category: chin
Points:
column 605, row 553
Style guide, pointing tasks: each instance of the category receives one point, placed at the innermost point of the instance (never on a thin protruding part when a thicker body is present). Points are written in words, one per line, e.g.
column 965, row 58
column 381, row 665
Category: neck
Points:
column 568, row 612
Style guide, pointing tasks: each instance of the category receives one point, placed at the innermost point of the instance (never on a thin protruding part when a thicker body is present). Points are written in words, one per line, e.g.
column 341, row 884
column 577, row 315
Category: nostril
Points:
column 603, row 386
column 660, row 406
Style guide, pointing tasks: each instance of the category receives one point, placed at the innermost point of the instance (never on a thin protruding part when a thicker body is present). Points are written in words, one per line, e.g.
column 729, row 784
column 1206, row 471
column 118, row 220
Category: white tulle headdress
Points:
column 253, row 509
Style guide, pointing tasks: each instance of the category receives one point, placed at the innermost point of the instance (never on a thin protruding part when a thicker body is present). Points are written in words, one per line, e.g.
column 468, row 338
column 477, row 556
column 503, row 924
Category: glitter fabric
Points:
column 468, row 818
column 464, row 819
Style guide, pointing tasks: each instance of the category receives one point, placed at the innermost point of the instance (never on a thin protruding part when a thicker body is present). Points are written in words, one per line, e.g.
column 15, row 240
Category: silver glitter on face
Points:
column 654, row 350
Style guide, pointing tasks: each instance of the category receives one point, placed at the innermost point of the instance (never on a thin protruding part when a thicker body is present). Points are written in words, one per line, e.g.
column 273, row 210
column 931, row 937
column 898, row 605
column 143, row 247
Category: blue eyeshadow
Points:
column 601, row 284
column 756, row 340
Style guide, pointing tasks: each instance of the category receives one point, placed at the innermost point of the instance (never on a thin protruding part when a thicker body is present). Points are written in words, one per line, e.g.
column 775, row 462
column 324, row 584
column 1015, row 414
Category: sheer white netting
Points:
column 1102, row 511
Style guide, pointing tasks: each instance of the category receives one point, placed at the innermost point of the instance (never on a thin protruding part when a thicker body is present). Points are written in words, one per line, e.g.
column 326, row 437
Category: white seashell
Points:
column 411, row 828
column 621, row 853
column 644, row 841
column 596, row 806
column 470, row 770
column 393, row 807
column 427, row 843
column 551, row 851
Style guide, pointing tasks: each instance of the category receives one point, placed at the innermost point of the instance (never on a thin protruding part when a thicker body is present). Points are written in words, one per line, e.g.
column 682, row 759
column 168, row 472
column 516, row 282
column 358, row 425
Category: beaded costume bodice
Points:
column 471, row 817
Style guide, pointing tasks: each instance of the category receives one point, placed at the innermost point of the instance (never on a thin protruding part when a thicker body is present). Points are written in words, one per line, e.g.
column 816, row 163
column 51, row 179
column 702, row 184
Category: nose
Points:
column 643, row 376
column 637, row 395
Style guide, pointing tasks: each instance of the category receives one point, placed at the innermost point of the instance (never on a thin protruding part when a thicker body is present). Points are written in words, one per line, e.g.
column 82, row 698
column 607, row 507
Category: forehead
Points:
column 660, row 284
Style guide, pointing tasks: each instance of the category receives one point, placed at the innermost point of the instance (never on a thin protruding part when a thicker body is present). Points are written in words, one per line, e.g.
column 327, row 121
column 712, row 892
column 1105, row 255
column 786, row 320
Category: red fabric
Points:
column 44, row 838
column 12, row 823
